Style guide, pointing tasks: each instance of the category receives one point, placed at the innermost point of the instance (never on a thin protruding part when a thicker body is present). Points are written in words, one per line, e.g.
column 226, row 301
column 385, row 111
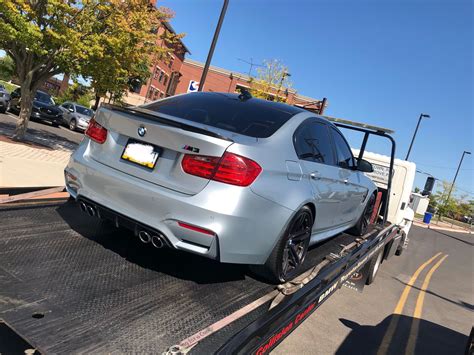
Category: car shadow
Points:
column 396, row 333
column 123, row 242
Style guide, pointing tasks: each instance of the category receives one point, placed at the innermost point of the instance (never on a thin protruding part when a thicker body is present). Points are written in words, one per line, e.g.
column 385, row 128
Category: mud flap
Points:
column 358, row 279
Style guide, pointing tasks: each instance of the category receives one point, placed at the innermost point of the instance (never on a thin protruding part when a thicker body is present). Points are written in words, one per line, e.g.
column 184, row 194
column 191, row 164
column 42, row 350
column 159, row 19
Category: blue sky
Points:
column 379, row 62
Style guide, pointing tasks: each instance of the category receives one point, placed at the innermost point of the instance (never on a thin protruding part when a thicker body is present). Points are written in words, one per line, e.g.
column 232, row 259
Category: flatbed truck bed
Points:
column 71, row 284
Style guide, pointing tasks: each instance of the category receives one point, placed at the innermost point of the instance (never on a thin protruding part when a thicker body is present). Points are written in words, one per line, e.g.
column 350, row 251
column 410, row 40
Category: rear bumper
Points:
column 246, row 226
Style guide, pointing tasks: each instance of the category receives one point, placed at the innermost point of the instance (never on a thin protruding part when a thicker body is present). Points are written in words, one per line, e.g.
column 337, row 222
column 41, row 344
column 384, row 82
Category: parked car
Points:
column 4, row 99
column 44, row 107
column 226, row 176
column 75, row 116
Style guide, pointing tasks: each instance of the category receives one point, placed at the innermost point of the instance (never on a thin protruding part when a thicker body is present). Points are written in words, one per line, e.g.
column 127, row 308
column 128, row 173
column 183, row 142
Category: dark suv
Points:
column 43, row 109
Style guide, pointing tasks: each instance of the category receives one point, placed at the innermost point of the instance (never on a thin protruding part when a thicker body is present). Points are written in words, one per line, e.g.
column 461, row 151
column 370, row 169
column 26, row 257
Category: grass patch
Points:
column 8, row 86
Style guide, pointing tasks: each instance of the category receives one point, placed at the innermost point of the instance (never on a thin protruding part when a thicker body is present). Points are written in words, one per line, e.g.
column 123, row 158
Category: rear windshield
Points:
column 43, row 97
column 252, row 117
column 84, row 111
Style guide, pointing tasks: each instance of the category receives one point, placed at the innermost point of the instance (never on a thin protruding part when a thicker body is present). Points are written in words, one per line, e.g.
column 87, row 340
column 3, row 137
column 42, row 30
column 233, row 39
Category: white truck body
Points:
column 404, row 172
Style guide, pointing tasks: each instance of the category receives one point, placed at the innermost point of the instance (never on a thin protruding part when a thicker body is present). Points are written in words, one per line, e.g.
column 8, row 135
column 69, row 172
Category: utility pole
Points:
column 414, row 135
column 213, row 45
column 456, row 175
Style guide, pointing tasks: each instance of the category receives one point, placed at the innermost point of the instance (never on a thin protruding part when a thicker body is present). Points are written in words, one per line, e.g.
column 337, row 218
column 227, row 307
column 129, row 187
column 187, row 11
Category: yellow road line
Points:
column 410, row 349
column 399, row 308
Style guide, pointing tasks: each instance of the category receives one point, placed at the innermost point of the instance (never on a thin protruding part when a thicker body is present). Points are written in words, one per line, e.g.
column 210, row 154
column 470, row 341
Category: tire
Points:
column 72, row 124
column 400, row 249
column 374, row 266
column 287, row 258
column 363, row 223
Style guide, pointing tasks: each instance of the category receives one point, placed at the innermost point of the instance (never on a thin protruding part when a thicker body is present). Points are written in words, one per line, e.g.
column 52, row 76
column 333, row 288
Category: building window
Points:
column 162, row 73
column 170, row 63
column 165, row 79
column 155, row 73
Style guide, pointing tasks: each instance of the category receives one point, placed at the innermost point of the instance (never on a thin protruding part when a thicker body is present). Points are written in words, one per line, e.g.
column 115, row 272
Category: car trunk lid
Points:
column 172, row 137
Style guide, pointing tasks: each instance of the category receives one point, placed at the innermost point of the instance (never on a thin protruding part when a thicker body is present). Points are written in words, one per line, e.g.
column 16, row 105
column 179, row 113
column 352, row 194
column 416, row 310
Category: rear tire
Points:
column 286, row 259
column 363, row 223
column 374, row 266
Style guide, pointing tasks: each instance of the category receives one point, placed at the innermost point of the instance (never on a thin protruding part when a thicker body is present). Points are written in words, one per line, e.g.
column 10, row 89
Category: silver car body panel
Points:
column 247, row 221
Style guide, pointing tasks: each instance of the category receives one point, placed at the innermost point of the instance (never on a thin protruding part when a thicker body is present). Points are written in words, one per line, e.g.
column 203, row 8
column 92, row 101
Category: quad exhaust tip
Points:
column 144, row 236
column 89, row 209
column 157, row 241
column 83, row 207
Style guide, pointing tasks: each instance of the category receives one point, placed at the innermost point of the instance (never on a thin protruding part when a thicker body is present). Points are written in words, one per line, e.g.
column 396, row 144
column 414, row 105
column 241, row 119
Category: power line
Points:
column 441, row 167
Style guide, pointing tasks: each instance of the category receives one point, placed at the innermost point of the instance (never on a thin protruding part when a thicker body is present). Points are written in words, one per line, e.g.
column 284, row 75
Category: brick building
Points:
column 222, row 80
column 165, row 72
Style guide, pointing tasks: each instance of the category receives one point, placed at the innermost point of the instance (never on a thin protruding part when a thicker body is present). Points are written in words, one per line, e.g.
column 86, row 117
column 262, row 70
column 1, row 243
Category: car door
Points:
column 315, row 151
column 355, row 192
column 67, row 109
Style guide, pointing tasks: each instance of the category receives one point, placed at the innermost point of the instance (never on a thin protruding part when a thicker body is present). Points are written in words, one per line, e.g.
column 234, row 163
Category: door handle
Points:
column 315, row 175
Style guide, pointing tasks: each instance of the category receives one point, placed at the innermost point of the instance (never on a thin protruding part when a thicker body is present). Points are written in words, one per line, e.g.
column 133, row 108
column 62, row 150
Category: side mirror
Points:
column 364, row 166
column 70, row 109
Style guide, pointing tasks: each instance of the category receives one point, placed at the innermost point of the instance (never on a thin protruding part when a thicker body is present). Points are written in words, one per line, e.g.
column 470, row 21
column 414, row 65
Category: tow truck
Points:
column 68, row 285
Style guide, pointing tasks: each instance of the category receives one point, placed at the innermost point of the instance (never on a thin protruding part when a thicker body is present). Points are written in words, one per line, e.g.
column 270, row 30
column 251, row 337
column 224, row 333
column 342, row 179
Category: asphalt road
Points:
column 437, row 321
column 8, row 122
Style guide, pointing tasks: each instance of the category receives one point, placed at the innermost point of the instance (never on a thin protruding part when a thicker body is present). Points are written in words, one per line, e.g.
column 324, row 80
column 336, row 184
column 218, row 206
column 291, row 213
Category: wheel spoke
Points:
column 295, row 258
column 298, row 236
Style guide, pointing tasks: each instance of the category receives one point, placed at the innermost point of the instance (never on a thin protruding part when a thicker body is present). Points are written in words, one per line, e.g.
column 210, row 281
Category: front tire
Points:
column 72, row 124
column 363, row 223
column 286, row 260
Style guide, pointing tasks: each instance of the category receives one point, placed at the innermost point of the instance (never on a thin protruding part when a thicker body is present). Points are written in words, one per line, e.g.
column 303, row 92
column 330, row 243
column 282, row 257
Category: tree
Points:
column 7, row 68
column 94, row 38
column 271, row 82
column 417, row 190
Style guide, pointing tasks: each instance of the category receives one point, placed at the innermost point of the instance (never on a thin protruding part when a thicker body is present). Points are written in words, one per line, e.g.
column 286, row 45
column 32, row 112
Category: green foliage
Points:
column 10, row 87
column 107, row 41
column 76, row 93
column 7, row 68
column 417, row 190
column 271, row 82
column 452, row 207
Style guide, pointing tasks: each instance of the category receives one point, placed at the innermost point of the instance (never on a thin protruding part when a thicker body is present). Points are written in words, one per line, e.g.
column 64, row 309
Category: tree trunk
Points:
column 96, row 104
column 26, row 102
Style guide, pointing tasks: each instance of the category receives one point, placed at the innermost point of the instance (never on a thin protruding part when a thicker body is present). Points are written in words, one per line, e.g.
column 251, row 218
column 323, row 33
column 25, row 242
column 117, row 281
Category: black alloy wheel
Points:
column 369, row 209
column 296, row 245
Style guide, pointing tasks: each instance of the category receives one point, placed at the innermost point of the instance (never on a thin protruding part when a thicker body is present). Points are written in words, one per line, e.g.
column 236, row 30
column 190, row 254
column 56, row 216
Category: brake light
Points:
column 230, row 168
column 96, row 132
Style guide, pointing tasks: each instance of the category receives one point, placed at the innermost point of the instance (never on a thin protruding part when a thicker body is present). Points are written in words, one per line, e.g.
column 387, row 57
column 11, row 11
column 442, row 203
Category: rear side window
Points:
column 313, row 143
column 252, row 117
column 344, row 154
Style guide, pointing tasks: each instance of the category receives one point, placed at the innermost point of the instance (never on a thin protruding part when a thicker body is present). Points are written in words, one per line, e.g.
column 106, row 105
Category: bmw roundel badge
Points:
column 141, row 131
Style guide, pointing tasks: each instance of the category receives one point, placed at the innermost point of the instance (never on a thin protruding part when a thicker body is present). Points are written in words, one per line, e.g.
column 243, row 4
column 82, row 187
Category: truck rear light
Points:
column 230, row 168
column 96, row 132
column 196, row 228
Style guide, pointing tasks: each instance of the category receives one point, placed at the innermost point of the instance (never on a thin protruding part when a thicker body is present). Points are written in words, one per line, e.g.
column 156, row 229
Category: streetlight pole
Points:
column 455, row 176
column 213, row 46
column 414, row 135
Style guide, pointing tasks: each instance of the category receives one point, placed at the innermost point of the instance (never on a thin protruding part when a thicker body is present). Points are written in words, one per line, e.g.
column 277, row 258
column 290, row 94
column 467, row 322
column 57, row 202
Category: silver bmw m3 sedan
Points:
column 226, row 176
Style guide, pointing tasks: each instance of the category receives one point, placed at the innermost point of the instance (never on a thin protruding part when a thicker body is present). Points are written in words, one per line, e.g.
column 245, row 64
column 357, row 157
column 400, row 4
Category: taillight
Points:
column 96, row 132
column 230, row 169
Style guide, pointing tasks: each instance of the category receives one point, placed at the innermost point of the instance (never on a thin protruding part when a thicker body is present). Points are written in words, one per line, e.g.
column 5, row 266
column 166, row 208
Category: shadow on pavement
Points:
column 455, row 238
column 121, row 241
column 431, row 338
column 458, row 303
column 41, row 137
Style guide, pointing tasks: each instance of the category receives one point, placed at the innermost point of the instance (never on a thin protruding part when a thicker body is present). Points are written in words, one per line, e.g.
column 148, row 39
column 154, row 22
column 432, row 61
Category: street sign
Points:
column 193, row 86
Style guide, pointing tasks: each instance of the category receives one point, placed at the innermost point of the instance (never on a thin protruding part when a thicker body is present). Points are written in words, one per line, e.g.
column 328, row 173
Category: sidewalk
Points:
column 443, row 226
column 39, row 161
